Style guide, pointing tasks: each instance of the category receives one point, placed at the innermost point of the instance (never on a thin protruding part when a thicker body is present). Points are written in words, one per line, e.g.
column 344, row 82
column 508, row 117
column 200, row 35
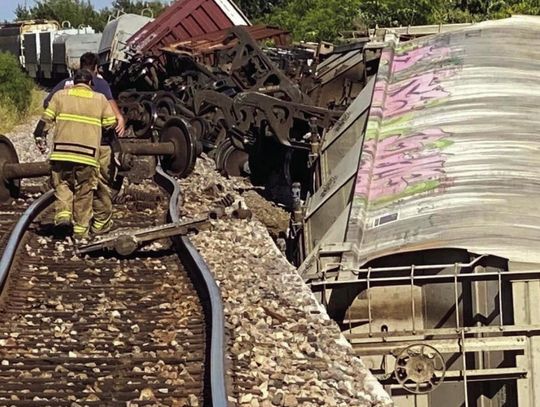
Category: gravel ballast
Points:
column 283, row 348
column 23, row 140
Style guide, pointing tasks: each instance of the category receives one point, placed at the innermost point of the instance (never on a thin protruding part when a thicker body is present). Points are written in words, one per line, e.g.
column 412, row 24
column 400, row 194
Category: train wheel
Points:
column 8, row 155
column 186, row 148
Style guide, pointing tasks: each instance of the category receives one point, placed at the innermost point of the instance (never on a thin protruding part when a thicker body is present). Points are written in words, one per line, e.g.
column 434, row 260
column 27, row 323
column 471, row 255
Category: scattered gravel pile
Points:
column 204, row 188
column 274, row 218
column 23, row 140
column 283, row 348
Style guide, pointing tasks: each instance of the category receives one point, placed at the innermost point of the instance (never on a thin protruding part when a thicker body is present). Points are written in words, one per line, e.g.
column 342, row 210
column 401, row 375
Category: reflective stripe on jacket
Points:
column 79, row 113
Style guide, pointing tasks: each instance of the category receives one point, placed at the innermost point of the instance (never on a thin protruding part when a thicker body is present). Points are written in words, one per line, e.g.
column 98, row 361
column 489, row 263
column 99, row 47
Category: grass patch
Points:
column 36, row 103
column 10, row 116
column 19, row 95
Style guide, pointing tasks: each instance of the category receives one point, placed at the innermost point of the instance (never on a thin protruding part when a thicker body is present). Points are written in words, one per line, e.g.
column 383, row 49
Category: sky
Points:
column 8, row 6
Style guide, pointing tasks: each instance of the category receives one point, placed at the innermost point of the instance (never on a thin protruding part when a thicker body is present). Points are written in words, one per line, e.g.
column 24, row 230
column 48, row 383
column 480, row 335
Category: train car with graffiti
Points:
column 422, row 238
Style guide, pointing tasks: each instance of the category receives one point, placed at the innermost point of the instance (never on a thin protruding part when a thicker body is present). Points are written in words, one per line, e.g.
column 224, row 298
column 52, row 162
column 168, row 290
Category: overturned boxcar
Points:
column 422, row 236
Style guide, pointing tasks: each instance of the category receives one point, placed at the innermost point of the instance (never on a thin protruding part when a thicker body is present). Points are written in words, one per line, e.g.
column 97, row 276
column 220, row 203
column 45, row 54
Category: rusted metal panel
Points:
column 209, row 43
column 186, row 19
column 450, row 157
column 206, row 25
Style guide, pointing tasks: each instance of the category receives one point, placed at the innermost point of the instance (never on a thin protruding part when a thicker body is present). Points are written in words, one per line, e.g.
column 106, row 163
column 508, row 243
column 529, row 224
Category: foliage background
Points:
column 79, row 12
column 19, row 96
column 310, row 20
column 326, row 19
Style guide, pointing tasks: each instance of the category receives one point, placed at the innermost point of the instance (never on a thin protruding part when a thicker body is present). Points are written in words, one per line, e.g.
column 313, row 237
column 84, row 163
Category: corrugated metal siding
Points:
column 182, row 20
column 450, row 157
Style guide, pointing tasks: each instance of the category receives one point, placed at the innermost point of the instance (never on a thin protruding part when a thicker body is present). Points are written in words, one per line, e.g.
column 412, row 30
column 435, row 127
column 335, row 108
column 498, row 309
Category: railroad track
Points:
column 9, row 213
column 144, row 330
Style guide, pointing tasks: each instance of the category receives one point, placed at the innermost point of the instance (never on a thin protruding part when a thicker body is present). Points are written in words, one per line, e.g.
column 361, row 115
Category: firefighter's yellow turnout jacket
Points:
column 79, row 113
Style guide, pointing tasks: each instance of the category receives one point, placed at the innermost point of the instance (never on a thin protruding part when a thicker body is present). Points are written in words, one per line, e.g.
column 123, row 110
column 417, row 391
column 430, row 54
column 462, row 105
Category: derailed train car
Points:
column 257, row 110
column 46, row 49
column 422, row 239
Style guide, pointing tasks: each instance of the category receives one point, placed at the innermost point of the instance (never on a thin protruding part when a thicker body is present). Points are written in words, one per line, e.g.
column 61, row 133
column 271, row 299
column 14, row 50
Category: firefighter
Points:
column 102, row 195
column 89, row 61
column 79, row 114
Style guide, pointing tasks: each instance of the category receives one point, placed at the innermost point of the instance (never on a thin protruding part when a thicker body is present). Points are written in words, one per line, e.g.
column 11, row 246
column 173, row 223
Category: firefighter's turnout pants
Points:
column 87, row 188
column 103, row 206
column 74, row 186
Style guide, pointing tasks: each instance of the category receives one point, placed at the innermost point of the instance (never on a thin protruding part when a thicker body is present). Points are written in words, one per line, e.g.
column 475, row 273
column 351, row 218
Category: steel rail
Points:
column 18, row 232
column 211, row 299
column 209, row 292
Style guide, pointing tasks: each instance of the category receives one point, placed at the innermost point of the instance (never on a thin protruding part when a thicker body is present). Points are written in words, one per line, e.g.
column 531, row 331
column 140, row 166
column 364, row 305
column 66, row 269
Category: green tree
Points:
column 77, row 12
column 156, row 7
column 525, row 7
column 15, row 86
column 315, row 20
column 389, row 13
column 22, row 13
column 257, row 9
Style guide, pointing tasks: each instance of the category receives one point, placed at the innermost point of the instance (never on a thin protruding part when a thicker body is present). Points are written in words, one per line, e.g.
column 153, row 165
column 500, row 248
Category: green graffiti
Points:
column 414, row 189
column 407, row 47
column 388, row 127
column 436, row 102
column 440, row 144
column 395, row 126
column 398, row 125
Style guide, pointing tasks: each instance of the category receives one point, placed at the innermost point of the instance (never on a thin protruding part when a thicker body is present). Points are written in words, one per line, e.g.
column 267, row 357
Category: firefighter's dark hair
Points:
column 83, row 76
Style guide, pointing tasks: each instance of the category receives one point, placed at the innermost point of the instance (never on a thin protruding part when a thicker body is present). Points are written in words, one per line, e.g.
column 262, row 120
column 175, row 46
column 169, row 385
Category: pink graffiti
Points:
column 405, row 96
column 411, row 57
column 378, row 94
column 387, row 54
column 395, row 163
column 382, row 77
